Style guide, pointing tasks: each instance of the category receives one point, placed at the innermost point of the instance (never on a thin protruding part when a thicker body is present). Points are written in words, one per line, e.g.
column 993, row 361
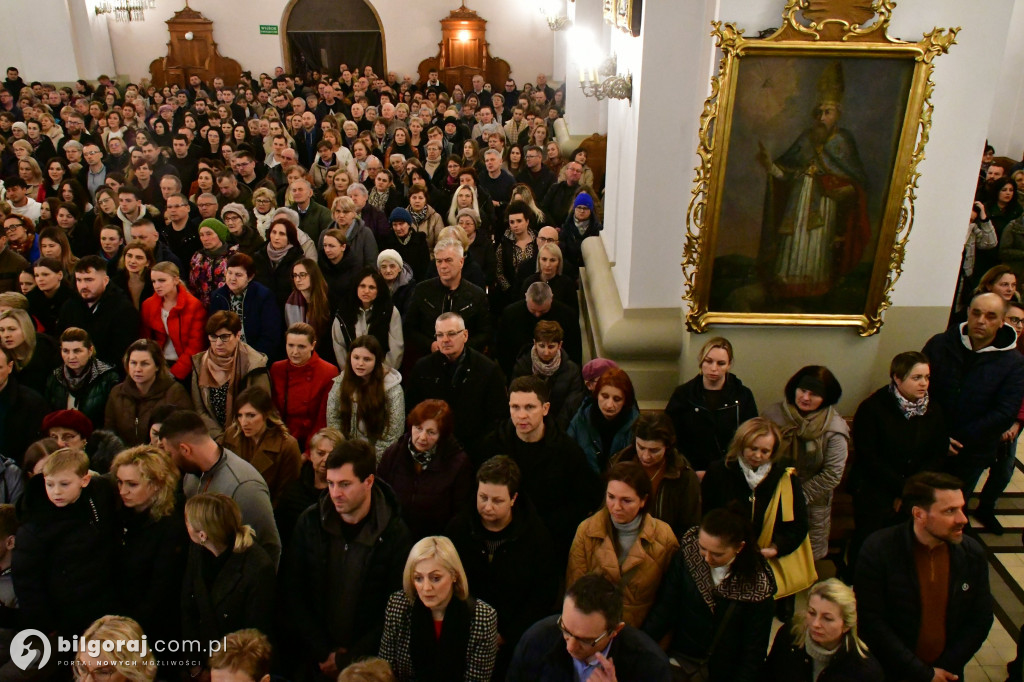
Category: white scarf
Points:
column 753, row 476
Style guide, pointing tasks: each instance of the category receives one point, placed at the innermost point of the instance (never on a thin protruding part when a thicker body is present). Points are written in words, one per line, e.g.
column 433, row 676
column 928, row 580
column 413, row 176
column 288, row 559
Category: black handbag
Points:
column 694, row 669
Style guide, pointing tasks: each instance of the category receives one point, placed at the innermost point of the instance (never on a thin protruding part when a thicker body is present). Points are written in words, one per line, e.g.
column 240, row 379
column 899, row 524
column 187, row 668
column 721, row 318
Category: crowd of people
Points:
column 295, row 367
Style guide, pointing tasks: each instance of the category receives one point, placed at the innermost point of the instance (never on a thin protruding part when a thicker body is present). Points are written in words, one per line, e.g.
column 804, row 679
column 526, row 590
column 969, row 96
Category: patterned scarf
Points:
column 422, row 458
column 909, row 408
column 419, row 216
column 89, row 373
column 545, row 369
column 378, row 199
column 732, row 587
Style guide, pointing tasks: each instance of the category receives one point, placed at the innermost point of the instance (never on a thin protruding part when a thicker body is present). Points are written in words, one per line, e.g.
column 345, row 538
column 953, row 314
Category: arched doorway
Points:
column 321, row 34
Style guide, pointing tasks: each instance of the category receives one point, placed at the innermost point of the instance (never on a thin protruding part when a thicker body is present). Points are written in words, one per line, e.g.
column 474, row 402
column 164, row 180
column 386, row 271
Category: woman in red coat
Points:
column 174, row 318
column 302, row 383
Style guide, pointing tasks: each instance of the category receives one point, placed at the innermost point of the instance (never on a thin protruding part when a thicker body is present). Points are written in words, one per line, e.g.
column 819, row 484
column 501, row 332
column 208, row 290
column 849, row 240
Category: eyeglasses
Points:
column 450, row 335
column 546, row 240
column 223, row 338
column 300, row 275
column 590, row 643
column 183, row 205
column 1015, row 321
column 11, row 229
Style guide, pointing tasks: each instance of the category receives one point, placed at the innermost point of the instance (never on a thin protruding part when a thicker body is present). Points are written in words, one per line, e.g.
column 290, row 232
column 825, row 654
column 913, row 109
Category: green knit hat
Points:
column 217, row 226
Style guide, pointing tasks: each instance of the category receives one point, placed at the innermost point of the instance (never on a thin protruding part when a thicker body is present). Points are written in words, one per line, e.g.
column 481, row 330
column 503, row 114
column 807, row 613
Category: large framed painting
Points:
column 623, row 14
column 809, row 147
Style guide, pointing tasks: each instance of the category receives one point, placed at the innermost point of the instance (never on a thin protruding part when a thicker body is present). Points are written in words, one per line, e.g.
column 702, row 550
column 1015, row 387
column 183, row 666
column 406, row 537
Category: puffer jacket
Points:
column 594, row 551
column 90, row 399
column 186, row 327
column 128, row 411
column 820, row 467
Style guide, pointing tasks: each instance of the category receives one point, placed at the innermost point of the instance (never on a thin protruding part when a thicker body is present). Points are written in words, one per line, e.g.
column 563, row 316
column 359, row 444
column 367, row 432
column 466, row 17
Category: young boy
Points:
column 65, row 555
column 244, row 657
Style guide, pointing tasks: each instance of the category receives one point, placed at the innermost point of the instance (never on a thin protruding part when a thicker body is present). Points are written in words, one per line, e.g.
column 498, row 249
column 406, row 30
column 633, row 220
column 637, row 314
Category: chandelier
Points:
column 125, row 10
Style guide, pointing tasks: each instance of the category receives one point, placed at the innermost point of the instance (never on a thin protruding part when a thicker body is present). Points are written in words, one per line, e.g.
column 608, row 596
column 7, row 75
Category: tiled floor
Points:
column 1007, row 581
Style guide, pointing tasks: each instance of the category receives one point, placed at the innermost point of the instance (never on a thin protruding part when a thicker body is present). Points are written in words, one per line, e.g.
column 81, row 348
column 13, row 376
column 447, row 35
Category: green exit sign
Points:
column 268, row 29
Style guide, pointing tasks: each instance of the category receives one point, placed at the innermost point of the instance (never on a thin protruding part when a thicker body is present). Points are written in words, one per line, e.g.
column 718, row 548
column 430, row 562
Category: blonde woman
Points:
column 115, row 663
column 264, row 201
column 435, row 599
column 823, row 645
column 35, row 355
column 229, row 579
column 154, row 539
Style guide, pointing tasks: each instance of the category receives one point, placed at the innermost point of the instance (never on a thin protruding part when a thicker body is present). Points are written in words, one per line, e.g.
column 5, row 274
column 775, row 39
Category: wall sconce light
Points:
column 552, row 11
column 598, row 76
column 125, row 10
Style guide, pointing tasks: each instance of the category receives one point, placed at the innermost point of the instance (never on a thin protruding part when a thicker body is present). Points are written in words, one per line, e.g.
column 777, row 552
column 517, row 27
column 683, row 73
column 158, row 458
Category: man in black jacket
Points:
column 345, row 559
column 508, row 554
column 588, row 640
column 518, row 320
column 448, row 292
column 922, row 587
column 471, row 384
column 556, row 476
column 977, row 376
column 102, row 310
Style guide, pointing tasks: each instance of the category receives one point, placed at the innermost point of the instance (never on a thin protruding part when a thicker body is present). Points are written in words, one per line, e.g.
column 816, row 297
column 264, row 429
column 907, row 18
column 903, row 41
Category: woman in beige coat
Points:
column 624, row 543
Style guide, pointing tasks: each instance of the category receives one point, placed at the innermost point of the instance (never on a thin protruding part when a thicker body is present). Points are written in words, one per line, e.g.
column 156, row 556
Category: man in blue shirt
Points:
column 588, row 642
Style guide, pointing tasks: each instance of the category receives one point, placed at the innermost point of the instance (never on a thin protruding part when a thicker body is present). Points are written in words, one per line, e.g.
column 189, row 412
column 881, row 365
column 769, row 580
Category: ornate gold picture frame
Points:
column 623, row 14
column 809, row 148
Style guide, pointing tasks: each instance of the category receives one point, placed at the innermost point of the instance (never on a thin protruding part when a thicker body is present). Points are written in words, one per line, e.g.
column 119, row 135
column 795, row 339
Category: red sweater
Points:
column 186, row 324
column 300, row 394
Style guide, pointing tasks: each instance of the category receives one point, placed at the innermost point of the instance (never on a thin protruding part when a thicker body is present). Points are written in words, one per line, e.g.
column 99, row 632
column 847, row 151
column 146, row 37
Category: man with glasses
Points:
column 588, row 641
column 448, row 292
column 11, row 262
column 182, row 230
column 466, row 379
column 95, row 171
column 249, row 172
column 74, row 126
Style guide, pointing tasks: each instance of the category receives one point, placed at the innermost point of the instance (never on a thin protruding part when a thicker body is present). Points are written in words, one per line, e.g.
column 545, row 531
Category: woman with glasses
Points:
column 242, row 234
column 308, row 303
column 225, row 370
column 22, row 237
column 716, row 601
column 433, row 628
column 174, row 318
